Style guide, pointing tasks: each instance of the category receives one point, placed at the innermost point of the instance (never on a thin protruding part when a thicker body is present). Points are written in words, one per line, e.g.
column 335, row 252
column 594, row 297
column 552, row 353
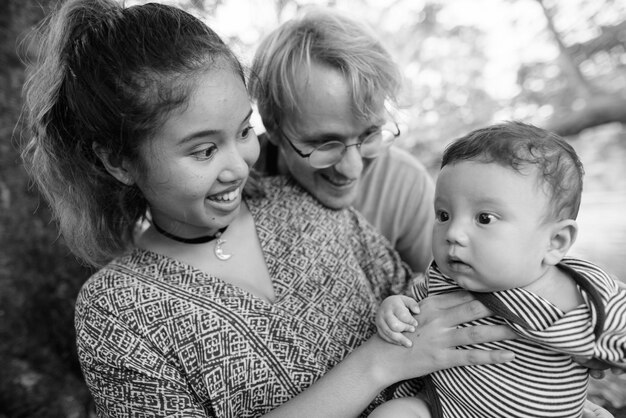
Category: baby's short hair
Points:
column 518, row 146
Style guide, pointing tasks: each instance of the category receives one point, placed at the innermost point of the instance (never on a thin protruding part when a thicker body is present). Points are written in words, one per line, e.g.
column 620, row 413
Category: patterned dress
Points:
column 156, row 337
column 543, row 380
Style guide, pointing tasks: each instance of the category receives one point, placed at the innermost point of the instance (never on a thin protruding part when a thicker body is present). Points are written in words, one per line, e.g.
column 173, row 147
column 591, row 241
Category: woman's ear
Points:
column 116, row 166
column 563, row 236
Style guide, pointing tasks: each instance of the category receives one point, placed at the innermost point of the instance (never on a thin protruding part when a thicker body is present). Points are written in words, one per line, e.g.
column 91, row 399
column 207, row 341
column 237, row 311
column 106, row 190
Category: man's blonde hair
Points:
column 327, row 37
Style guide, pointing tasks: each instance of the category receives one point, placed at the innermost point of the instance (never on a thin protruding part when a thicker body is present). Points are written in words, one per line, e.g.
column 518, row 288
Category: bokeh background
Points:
column 560, row 64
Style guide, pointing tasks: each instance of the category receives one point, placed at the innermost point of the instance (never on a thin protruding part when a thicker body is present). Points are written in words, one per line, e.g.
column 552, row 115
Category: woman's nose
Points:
column 235, row 167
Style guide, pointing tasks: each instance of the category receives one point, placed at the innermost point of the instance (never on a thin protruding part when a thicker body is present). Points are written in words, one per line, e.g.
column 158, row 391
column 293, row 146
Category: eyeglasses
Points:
column 331, row 152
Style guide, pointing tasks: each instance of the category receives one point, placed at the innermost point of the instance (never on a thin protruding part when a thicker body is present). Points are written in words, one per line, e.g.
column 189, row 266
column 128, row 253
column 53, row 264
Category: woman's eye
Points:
column 485, row 218
column 247, row 131
column 206, row 153
column 442, row 216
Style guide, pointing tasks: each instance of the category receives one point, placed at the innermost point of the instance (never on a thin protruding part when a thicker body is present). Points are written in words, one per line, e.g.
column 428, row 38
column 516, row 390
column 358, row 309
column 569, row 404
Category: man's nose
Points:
column 351, row 163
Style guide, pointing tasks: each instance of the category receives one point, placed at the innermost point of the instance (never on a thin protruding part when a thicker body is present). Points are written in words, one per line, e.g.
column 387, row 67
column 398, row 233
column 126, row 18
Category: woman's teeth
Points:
column 226, row 197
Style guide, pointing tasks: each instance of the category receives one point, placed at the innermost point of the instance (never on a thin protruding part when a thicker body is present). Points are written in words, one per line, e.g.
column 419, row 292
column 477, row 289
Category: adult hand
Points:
column 597, row 367
column 591, row 410
column 437, row 336
column 350, row 386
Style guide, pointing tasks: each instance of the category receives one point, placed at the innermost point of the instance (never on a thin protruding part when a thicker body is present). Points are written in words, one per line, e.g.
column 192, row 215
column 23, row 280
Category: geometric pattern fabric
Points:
column 157, row 337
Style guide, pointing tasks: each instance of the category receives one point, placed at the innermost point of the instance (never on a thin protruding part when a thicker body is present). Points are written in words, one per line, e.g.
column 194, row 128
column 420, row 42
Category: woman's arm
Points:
column 128, row 375
column 349, row 387
column 592, row 410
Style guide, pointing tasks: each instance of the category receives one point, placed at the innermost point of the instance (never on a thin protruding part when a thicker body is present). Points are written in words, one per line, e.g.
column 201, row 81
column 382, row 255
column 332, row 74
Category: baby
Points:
column 506, row 202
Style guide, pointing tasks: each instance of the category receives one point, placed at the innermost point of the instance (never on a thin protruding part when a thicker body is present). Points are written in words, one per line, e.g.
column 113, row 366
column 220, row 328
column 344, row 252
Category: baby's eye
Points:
column 485, row 218
column 205, row 153
column 442, row 216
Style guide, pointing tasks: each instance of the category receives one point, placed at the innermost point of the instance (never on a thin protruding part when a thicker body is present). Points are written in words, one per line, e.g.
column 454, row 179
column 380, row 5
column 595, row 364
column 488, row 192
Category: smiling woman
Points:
column 209, row 148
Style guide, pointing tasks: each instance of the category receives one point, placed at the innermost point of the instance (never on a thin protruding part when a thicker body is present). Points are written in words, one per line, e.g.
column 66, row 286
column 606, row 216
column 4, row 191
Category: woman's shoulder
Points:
column 118, row 272
column 122, row 278
column 286, row 205
column 280, row 186
column 282, row 193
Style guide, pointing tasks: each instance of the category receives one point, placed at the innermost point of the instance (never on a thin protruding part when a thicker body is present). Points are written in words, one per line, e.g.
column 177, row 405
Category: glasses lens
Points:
column 376, row 143
column 388, row 136
column 327, row 154
column 372, row 145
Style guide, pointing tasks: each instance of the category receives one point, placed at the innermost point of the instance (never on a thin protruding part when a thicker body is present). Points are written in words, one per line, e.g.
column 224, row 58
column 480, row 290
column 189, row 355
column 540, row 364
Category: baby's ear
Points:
column 563, row 236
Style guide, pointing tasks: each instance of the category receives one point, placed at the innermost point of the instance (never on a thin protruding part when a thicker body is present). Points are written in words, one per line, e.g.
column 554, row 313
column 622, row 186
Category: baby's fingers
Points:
column 391, row 336
column 398, row 338
column 400, row 320
column 406, row 312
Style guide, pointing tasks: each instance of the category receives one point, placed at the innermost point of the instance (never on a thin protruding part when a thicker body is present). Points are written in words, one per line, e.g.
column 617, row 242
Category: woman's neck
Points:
column 157, row 238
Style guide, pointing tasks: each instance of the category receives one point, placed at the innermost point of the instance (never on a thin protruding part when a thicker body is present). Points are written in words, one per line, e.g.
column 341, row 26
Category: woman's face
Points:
column 195, row 166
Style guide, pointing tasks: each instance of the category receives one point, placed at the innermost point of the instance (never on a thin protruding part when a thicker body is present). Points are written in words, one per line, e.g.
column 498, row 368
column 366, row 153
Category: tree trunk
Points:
column 598, row 110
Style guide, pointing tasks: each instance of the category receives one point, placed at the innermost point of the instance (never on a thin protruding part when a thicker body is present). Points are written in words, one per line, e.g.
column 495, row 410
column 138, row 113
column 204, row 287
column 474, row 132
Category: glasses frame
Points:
column 356, row 144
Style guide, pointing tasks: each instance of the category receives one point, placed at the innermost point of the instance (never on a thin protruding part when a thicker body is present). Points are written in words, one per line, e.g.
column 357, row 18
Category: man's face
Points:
column 325, row 114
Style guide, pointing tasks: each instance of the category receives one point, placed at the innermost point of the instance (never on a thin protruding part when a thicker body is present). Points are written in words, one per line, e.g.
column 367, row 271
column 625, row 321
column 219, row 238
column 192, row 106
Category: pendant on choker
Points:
column 218, row 250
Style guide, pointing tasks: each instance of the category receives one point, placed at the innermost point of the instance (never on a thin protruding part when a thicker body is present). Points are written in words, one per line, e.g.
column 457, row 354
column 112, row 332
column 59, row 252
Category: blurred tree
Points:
column 586, row 85
column 39, row 280
column 447, row 90
column 445, row 85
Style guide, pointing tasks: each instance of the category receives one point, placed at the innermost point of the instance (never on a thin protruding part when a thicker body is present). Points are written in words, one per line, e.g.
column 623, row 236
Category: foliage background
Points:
column 558, row 64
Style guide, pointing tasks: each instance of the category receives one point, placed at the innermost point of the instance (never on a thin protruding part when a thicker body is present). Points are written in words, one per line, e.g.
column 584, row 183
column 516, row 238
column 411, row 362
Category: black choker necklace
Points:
column 198, row 240
column 218, row 250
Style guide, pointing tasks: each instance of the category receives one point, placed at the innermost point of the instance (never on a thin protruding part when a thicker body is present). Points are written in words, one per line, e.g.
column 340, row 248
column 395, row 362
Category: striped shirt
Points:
column 543, row 380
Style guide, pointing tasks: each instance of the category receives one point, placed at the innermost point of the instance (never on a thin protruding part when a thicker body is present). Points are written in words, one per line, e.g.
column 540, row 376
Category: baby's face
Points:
column 490, row 230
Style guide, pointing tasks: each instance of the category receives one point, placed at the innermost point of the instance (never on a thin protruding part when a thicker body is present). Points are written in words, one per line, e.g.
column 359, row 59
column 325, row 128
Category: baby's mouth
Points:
column 456, row 262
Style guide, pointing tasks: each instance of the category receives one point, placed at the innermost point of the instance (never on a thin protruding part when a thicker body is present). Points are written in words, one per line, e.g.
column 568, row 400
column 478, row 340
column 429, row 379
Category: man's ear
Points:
column 563, row 236
column 116, row 166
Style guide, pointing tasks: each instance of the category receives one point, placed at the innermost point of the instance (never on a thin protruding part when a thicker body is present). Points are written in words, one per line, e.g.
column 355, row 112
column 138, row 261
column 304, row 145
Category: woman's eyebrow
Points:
column 247, row 116
column 208, row 132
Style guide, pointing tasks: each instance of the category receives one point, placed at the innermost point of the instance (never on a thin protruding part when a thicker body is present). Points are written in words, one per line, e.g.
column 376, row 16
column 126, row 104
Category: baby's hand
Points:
column 395, row 316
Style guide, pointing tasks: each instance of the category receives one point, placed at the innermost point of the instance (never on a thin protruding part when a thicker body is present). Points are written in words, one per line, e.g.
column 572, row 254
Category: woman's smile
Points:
column 226, row 201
